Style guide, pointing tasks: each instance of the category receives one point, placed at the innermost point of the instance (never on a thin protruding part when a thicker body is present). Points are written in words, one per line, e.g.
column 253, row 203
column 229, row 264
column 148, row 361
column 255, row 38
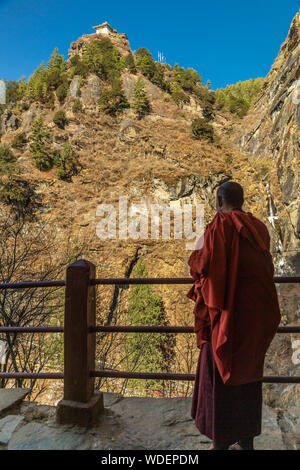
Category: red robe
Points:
column 234, row 293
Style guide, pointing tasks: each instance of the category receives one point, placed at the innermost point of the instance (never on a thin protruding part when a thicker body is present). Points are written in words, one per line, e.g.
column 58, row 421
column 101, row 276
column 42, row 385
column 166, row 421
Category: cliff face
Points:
column 119, row 40
column 271, row 132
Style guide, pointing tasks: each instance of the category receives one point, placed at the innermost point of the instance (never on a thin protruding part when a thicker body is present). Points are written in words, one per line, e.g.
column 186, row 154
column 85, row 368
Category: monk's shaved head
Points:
column 230, row 195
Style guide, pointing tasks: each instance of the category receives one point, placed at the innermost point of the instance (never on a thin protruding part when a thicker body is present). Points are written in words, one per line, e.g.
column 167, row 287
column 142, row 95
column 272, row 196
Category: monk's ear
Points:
column 219, row 202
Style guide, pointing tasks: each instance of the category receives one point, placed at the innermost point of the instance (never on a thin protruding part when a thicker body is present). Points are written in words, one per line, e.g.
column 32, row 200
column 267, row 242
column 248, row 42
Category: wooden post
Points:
column 80, row 405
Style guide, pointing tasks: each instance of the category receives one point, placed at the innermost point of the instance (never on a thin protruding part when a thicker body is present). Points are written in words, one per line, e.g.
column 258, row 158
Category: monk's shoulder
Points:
column 221, row 223
column 259, row 223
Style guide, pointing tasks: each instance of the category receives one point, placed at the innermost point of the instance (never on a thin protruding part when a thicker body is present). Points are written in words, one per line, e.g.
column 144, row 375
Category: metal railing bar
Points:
column 132, row 375
column 31, row 375
column 165, row 280
column 124, row 281
column 121, row 329
column 31, row 329
column 167, row 329
column 170, row 376
column 31, row 284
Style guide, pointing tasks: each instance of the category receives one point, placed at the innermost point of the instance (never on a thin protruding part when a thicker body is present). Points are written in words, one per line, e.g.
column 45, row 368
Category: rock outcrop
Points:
column 91, row 92
column 8, row 121
column 119, row 40
column 271, row 132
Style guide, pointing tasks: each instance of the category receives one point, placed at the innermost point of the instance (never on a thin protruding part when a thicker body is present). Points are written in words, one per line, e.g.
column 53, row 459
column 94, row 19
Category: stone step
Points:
column 10, row 397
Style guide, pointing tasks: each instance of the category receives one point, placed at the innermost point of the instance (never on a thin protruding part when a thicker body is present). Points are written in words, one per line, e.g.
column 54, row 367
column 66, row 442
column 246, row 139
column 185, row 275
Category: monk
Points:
column 236, row 317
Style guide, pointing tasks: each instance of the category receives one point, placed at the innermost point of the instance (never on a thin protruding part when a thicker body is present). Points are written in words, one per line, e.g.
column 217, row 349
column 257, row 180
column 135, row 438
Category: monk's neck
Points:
column 229, row 209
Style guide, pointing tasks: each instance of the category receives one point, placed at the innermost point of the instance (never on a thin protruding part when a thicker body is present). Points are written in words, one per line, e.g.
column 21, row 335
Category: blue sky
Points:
column 225, row 41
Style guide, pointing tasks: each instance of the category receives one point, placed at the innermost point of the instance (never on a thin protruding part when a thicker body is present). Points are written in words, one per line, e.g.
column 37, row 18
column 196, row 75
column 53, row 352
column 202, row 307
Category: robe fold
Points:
column 235, row 295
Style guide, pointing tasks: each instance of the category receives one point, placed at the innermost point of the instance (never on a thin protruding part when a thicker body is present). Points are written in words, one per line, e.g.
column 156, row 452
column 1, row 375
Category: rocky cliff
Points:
column 156, row 159
column 271, row 132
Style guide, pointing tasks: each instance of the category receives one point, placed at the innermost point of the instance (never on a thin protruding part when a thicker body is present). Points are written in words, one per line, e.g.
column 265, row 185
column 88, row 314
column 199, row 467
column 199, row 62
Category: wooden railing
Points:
column 81, row 404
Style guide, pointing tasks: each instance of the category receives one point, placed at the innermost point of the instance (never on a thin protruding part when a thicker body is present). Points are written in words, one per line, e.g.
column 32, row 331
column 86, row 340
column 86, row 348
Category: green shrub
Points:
column 7, row 161
column 154, row 71
column 14, row 90
column 19, row 141
column 158, row 78
column 201, row 129
column 180, row 97
column 208, row 112
column 25, row 106
column 78, row 66
column 187, row 79
column 40, row 146
column 16, row 191
column 77, row 107
column 66, row 163
column 113, row 100
column 190, row 81
column 62, row 92
column 60, row 119
column 178, row 94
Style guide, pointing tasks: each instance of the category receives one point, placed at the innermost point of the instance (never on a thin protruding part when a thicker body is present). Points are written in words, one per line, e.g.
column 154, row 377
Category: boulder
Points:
column 36, row 436
column 30, row 116
column 8, row 121
column 128, row 130
column 91, row 92
column 10, row 397
column 8, row 425
column 74, row 86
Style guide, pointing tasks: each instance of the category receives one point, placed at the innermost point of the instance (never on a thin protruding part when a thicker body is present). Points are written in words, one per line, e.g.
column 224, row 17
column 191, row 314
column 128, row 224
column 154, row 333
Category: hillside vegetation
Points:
column 107, row 122
column 238, row 98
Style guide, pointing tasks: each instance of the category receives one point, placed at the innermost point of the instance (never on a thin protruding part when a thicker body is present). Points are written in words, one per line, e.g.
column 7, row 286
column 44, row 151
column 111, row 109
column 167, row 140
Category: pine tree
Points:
column 56, row 62
column 60, row 119
column 145, row 62
column 129, row 63
column 55, row 70
column 113, row 100
column 140, row 101
column 178, row 94
column 39, row 146
column 146, row 352
column 66, row 162
column 201, row 129
column 77, row 107
column 7, row 161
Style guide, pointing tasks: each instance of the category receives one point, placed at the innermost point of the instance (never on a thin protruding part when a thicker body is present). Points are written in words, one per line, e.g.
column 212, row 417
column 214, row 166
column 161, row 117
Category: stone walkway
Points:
column 130, row 423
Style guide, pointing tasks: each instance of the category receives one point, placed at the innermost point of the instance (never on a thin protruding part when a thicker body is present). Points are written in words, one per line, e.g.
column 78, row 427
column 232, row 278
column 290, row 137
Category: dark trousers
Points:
column 224, row 413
